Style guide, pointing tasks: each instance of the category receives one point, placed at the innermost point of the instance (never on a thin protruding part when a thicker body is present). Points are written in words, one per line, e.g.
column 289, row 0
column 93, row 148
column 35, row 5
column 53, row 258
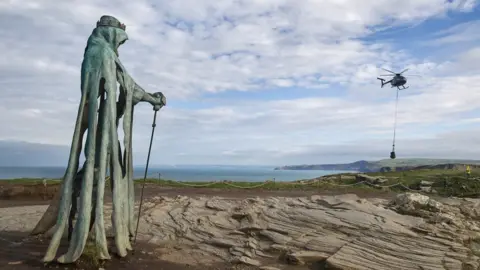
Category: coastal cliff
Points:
column 358, row 166
column 388, row 165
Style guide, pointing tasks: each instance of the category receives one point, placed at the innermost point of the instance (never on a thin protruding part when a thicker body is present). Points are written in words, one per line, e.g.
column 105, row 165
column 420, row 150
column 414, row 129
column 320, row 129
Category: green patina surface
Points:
column 99, row 115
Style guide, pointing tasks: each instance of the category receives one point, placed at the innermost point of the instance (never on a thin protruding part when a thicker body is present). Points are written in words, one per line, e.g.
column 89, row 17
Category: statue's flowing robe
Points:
column 101, row 69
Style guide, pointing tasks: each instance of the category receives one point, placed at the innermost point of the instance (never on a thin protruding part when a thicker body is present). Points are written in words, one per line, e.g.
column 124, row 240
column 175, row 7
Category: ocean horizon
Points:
column 191, row 173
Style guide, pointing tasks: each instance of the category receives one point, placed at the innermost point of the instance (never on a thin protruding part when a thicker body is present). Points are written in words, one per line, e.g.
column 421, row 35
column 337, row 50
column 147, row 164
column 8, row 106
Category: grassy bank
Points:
column 30, row 181
column 193, row 184
column 443, row 182
column 319, row 183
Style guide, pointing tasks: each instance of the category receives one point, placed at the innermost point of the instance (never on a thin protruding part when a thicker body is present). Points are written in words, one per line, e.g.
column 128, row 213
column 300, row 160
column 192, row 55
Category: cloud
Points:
column 205, row 56
column 448, row 145
column 463, row 32
column 17, row 153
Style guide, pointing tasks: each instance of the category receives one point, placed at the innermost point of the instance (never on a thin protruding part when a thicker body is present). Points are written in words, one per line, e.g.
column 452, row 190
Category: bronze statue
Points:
column 99, row 114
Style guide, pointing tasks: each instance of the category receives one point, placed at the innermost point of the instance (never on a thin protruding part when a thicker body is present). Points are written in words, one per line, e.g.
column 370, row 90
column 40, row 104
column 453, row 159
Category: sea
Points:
column 188, row 173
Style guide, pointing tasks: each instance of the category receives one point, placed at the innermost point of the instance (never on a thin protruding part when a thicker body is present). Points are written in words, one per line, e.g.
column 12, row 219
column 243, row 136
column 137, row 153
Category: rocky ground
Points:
column 275, row 230
column 411, row 231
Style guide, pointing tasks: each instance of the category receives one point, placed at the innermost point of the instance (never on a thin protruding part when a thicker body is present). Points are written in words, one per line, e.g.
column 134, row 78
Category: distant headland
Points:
column 385, row 165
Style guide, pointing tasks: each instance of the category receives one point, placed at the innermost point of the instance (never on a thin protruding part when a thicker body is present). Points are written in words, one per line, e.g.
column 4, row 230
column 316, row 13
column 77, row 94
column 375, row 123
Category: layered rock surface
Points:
column 341, row 232
column 345, row 232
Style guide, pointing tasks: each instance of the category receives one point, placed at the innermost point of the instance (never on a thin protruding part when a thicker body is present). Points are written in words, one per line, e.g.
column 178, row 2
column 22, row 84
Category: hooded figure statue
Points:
column 99, row 114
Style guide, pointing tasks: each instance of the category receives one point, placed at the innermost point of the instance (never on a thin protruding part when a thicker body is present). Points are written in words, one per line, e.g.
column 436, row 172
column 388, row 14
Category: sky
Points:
column 251, row 82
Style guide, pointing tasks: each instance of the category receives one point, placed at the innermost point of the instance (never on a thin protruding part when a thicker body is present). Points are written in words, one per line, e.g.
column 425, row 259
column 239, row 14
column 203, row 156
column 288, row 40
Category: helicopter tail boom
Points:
column 383, row 81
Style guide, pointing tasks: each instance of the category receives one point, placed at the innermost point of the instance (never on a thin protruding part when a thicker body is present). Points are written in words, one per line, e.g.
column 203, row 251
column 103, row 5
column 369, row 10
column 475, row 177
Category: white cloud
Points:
column 188, row 48
column 463, row 32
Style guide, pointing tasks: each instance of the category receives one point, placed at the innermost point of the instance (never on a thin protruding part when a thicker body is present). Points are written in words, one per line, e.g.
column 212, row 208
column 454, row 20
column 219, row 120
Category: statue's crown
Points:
column 110, row 21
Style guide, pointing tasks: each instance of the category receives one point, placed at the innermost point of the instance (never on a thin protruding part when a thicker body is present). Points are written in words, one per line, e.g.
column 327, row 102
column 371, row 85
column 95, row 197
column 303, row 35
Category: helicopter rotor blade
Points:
column 386, row 75
column 389, row 71
column 403, row 71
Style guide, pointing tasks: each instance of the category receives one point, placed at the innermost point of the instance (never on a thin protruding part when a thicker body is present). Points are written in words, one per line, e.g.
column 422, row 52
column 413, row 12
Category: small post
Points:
column 45, row 196
column 445, row 185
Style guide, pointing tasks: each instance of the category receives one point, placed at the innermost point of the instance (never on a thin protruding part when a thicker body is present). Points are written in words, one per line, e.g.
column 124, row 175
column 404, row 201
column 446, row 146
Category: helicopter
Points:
column 397, row 81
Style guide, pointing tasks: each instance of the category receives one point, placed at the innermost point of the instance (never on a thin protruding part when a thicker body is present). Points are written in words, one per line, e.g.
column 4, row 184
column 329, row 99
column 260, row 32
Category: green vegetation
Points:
column 306, row 184
column 445, row 182
column 425, row 174
column 223, row 184
column 30, row 181
column 90, row 258
column 421, row 162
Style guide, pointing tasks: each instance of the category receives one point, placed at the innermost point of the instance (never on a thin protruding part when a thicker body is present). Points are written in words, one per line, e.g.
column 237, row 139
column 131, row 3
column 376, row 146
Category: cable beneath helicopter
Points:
column 392, row 154
column 398, row 80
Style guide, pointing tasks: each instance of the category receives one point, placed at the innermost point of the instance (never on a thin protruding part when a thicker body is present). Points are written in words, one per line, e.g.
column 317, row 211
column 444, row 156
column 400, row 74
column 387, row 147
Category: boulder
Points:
column 425, row 183
column 374, row 180
column 414, row 203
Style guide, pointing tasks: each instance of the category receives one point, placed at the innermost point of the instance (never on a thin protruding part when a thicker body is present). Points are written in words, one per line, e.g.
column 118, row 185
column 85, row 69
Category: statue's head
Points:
column 110, row 21
column 112, row 30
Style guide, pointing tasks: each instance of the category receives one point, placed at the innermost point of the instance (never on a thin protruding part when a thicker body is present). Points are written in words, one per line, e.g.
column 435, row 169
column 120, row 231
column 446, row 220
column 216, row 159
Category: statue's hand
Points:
column 159, row 101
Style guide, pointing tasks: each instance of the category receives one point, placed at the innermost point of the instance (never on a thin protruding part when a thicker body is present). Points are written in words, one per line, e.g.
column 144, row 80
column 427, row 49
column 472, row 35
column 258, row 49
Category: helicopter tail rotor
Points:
column 382, row 81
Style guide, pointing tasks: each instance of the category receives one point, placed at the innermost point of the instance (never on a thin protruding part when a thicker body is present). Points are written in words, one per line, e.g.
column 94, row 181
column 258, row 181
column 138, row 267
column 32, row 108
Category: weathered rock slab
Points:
column 412, row 231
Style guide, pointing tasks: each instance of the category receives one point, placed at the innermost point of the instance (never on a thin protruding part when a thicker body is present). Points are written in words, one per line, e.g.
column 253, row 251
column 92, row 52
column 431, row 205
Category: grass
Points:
column 30, row 181
column 172, row 183
column 225, row 184
column 90, row 256
column 89, row 259
column 421, row 162
column 445, row 182
column 415, row 176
